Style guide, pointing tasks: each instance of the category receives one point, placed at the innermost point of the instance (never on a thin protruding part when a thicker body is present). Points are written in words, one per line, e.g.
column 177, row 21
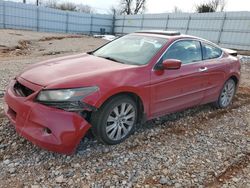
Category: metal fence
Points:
column 30, row 17
column 228, row 29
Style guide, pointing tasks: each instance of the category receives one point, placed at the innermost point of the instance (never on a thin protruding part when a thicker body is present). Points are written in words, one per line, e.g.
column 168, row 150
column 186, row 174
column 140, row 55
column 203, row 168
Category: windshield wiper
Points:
column 111, row 58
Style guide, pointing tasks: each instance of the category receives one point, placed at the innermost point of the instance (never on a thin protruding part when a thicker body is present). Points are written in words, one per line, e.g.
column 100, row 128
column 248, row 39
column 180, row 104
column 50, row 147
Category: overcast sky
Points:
column 159, row 6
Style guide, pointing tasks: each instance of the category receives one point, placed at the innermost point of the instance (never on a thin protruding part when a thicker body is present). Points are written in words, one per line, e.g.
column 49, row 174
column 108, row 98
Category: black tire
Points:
column 220, row 102
column 99, row 119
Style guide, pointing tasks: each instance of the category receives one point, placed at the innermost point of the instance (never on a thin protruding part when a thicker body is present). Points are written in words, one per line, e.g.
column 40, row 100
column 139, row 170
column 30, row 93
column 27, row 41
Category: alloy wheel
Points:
column 120, row 121
column 227, row 93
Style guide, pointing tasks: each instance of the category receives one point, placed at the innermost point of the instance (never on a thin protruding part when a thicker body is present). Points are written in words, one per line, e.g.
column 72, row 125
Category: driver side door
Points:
column 174, row 90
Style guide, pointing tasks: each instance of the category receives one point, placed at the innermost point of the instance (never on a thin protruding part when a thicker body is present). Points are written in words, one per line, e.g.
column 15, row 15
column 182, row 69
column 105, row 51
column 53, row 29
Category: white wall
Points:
column 230, row 29
column 30, row 17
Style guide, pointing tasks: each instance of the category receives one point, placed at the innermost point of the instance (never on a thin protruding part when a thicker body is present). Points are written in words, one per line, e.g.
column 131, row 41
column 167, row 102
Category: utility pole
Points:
column 24, row 1
column 37, row 2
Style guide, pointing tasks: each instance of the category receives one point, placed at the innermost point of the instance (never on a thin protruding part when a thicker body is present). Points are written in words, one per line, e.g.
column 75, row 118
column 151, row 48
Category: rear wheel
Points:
column 115, row 120
column 227, row 94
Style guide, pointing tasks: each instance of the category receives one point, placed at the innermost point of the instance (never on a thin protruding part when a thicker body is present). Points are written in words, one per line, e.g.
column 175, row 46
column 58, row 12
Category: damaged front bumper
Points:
column 50, row 128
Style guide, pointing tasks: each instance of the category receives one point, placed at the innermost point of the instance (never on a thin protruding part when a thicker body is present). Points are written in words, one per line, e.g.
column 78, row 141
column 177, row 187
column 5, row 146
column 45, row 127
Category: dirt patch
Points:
column 234, row 168
column 241, row 98
column 22, row 48
column 17, row 34
column 35, row 44
column 2, row 115
column 61, row 37
column 55, row 53
column 152, row 182
column 244, row 52
column 244, row 90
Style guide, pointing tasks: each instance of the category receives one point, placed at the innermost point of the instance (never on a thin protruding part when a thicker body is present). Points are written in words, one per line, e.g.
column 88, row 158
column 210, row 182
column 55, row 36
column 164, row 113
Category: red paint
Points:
column 161, row 91
column 171, row 64
column 31, row 119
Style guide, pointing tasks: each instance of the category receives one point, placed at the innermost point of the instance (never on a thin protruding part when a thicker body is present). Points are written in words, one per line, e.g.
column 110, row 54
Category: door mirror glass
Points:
column 171, row 64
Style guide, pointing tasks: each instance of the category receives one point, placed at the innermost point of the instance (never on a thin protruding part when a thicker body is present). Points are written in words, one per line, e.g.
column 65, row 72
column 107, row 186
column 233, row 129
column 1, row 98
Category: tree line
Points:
column 129, row 7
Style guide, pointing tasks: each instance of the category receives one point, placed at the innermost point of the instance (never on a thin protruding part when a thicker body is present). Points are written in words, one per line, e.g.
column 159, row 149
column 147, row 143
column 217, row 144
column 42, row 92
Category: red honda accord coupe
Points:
column 134, row 78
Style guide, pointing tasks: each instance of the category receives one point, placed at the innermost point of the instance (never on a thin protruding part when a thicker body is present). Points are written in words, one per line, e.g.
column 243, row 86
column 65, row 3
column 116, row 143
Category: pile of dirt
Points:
column 22, row 48
column 61, row 37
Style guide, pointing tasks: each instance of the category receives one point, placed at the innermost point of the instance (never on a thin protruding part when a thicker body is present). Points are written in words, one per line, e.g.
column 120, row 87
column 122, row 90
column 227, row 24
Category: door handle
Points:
column 203, row 69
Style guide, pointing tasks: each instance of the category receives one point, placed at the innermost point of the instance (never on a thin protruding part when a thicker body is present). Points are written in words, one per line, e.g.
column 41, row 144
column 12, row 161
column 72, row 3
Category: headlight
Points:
column 62, row 95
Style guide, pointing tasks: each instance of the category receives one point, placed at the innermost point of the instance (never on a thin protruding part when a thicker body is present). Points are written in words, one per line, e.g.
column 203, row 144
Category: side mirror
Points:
column 171, row 64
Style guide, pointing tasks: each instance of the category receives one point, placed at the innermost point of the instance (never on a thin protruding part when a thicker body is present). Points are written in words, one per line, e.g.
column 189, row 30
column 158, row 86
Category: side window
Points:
column 210, row 52
column 187, row 51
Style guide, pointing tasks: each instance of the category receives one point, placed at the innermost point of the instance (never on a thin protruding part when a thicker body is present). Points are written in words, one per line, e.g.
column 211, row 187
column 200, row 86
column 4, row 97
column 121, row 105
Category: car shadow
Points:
column 199, row 115
column 89, row 140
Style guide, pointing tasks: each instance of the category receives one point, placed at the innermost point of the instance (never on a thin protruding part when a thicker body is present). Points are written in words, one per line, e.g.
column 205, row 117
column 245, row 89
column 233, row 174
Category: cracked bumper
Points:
column 49, row 128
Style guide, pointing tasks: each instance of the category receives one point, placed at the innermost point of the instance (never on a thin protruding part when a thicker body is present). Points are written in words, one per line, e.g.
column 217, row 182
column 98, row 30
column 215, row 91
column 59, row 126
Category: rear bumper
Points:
column 52, row 129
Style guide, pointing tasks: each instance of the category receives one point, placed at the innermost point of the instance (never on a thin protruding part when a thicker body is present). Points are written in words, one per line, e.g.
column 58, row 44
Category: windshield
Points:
column 131, row 49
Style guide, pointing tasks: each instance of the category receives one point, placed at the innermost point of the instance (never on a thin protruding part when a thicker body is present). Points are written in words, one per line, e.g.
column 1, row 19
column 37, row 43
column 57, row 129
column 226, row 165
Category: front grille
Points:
column 22, row 90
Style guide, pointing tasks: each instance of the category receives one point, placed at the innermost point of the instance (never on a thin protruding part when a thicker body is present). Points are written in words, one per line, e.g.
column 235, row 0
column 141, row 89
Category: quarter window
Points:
column 210, row 52
column 187, row 51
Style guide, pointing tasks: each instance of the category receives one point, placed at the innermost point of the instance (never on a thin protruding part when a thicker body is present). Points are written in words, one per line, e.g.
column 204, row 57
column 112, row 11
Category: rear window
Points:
column 210, row 52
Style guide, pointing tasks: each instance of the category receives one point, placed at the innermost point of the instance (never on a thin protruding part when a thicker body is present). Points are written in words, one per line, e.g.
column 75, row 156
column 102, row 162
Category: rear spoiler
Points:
column 231, row 52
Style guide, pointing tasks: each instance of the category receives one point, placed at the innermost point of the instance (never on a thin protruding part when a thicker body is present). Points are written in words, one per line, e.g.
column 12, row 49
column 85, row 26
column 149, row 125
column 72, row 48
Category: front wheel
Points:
column 115, row 120
column 227, row 94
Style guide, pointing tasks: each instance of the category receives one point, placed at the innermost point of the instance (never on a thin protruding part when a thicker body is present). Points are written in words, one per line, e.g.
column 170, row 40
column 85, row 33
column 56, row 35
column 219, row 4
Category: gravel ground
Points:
column 198, row 147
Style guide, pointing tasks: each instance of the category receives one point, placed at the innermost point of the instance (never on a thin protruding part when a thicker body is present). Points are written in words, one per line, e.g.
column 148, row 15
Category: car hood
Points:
column 70, row 67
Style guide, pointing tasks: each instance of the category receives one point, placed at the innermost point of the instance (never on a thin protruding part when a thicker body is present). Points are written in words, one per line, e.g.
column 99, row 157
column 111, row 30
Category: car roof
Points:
column 161, row 32
column 174, row 35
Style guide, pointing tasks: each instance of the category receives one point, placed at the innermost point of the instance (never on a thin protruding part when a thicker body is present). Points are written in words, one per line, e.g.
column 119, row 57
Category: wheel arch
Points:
column 235, row 79
column 134, row 96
